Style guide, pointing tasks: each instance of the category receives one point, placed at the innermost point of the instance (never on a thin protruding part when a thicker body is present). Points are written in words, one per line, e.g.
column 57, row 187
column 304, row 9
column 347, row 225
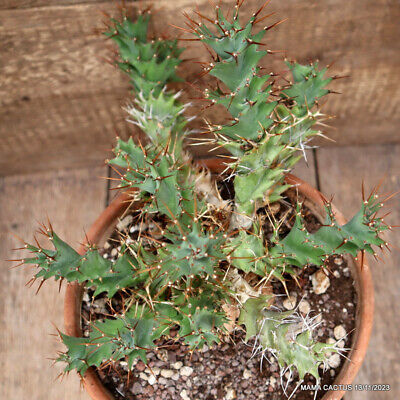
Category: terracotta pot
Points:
column 106, row 222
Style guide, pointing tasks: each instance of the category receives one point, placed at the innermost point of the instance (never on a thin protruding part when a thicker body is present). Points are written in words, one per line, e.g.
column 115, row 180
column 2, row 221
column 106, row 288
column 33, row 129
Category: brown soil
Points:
column 228, row 371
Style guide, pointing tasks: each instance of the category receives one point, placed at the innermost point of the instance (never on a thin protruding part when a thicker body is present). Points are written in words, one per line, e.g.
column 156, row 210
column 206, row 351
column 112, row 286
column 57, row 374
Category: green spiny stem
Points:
column 153, row 171
column 131, row 335
column 285, row 335
column 63, row 262
column 183, row 254
column 161, row 119
column 300, row 248
column 265, row 134
column 151, row 65
column 125, row 337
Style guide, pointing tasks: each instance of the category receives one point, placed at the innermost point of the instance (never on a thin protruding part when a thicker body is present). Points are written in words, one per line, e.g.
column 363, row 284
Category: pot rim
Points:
column 361, row 275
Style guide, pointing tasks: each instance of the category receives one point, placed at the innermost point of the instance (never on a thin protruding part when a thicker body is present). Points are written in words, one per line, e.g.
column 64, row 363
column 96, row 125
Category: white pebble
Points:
column 124, row 222
column 339, row 343
column 163, row 355
column 178, row 365
column 230, row 394
column 336, row 274
column 167, row 373
column 100, row 305
column 162, row 381
column 133, row 229
column 304, row 307
column 339, row 332
column 175, row 377
column 143, row 376
column 320, row 282
column 153, row 371
column 114, row 252
column 272, row 381
column 184, row 395
column 152, row 380
column 334, row 360
column 186, row 371
column 289, row 303
column 338, row 261
column 247, row 374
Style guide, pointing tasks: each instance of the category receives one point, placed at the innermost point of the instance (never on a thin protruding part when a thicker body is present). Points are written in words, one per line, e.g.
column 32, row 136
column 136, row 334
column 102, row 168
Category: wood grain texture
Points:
column 20, row 4
column 57, row 92
column 305, row 169
column 342, row 171
column 72, row 200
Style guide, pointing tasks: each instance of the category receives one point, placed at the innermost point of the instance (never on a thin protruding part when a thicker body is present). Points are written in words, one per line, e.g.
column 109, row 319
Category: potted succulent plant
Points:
column 216, row 279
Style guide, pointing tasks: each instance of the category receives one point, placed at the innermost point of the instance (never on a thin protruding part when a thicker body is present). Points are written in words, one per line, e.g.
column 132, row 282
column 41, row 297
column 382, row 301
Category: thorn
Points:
column 340, row 77
column 362, row 191
column 203, row 17
column 263, row 18
column 40, row 286
column 267, row 28
column 390, row 196
column 261, row 8
column 183, row 29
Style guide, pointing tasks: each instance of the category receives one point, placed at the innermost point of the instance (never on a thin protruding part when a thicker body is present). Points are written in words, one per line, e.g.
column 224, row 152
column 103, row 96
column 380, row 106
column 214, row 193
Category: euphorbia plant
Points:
column 190, row 271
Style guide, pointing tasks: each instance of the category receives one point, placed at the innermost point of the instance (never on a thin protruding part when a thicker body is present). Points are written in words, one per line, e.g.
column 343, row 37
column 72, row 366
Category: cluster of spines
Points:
column 264, row 135
column 64, row 263
column 151, row 65
column 154, row 171
column 287, row 336
column 173, row 280
column 131, row 334
column 300, row 248
column 246, row 249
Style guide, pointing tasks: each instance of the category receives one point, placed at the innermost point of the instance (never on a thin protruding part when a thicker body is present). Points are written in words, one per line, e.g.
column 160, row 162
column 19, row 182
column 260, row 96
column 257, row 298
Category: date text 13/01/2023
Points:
column 349, row 388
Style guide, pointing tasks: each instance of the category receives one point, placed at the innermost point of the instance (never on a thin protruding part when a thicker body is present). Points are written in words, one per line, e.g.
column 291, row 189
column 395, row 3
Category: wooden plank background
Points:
column 58, row 94
column 72, row 200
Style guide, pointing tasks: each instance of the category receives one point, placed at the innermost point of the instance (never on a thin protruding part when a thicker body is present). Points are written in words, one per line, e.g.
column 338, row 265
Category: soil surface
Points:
column 230, row 370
